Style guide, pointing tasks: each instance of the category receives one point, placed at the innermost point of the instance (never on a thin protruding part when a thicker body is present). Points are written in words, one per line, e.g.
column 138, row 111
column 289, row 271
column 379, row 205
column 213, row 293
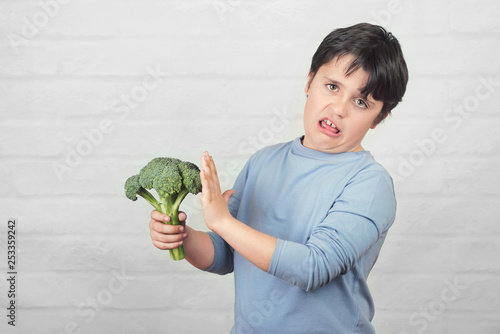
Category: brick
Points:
column 69, row 253
column 458, row 142
column 115, row 289
column 35, row 139
column 190, row 321
column 478, row 255
column 182, row 98
column 407, row 322
column 53, row 99
column 410, row 179
column 460, row 55
column 36, row 58
column 94, row 253
column 474, row 17
column 486, row 323
column 43, row 321
column 476, row 95
column 441, row 216
column 409, row 18
column 406, row 292
column 397, row 136
column 288, row 99
column 12, row 14
column 444, row 176
column 174, row 137
column 6, row 179
column 40, row 178
column 275, row 19
column 477, row 293
column 77, row 141
column 435, row 138
column 94, row 58
column 106, row 215
column 138, row 253
column 398, row 256
column 158, row 19
column 452, row 297
column 437, row 99
column 217, row 292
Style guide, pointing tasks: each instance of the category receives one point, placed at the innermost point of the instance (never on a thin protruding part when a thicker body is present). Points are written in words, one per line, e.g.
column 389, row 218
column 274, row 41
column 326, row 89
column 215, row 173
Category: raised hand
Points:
column 213, row 201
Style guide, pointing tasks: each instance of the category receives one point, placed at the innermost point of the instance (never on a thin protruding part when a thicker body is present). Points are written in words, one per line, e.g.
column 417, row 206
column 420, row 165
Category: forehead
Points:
column 339, row 67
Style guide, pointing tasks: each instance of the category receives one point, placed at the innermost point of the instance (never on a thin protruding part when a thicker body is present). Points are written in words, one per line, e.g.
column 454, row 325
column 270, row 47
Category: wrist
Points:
column 222, row 224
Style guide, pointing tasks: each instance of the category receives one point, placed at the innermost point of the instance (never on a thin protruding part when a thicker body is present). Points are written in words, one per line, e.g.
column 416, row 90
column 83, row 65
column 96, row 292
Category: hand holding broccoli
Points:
column 172, row 179
column 165, row 236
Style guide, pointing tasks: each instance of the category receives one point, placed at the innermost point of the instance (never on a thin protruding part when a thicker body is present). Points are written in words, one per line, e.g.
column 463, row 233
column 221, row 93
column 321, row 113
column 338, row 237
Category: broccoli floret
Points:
column 133, row 188
column 172, row 179
column 191, row 176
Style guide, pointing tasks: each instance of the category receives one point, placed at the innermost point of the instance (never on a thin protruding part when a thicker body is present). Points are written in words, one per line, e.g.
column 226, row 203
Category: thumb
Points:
column 227, row 195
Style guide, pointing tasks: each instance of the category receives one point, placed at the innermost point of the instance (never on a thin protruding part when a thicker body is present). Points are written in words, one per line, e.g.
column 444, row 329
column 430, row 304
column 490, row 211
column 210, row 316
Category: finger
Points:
column 165, row 228
column 211, row 165
column 215, row 176
column 204, row 160
column 166, row 238
column 207, row 188
column 209, row 175
column 165, row 246
column 158, row 216
column 204, row 171
column 227, row 195
column 182, row 216
column 208, row 165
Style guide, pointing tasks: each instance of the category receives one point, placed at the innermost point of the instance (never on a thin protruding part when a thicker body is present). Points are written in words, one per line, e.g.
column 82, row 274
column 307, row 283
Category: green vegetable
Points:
column 172, row 179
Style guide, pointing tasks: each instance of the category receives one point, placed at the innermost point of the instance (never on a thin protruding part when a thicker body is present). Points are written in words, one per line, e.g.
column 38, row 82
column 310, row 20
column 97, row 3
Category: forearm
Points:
column 255, row 246
column 199, row 248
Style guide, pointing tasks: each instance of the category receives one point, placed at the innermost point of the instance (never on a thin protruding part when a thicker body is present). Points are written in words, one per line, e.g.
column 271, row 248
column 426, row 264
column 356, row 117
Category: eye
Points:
column 332, row 87
column 360, row 103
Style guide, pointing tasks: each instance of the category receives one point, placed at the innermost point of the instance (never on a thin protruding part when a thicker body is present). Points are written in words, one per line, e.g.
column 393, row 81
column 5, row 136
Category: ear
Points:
column 308, row 84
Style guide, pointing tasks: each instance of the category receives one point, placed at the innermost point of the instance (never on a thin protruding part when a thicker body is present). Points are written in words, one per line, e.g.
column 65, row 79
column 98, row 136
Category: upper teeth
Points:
column 330, row 123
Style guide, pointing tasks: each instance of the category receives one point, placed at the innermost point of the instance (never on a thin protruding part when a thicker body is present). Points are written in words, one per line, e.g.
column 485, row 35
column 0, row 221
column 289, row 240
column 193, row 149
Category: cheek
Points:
column 313, row 106
column 360, row 125
column 308, row 111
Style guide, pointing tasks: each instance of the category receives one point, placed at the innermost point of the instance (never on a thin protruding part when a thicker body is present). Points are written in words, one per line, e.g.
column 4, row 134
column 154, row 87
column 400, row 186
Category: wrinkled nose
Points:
column 339, row 107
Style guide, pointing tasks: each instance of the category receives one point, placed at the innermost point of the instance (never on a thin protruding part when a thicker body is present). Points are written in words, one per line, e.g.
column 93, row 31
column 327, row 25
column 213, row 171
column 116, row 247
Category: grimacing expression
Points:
column 337, row 116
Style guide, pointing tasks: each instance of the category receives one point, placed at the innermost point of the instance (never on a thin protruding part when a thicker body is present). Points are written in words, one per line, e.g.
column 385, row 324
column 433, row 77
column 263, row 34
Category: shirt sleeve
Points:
column 359, row 217
column 223, row 256
column 224, row 253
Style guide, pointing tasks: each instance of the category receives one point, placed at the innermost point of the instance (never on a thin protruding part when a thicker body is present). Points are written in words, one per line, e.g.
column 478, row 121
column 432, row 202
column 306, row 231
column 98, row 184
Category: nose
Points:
column 339, row 107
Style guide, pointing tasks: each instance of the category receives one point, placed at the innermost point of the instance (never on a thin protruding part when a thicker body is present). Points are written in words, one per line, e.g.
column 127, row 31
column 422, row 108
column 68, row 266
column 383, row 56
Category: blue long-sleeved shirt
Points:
column 330, row 213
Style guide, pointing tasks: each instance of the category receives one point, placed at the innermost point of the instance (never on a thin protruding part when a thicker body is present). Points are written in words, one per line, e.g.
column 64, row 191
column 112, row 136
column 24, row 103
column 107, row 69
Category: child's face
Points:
column 336, row 115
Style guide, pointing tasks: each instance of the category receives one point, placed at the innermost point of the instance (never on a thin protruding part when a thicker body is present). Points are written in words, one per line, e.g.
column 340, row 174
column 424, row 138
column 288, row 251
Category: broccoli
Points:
column 172, row 179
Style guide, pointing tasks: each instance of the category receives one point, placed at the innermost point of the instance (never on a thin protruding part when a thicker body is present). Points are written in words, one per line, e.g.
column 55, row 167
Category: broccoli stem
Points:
column 171, row 208
column 149, row 197
column 180, row 197
column 178, row 253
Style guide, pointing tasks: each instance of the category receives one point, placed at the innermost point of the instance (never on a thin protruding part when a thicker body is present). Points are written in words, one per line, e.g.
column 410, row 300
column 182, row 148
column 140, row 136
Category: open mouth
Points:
column 329, row 126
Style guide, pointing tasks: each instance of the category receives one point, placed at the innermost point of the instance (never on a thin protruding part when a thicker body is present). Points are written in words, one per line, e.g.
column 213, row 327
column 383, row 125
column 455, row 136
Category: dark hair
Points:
column 374, row 50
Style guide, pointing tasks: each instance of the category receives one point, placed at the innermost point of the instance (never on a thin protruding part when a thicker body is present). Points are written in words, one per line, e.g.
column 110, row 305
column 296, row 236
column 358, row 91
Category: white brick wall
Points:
column 123, row 81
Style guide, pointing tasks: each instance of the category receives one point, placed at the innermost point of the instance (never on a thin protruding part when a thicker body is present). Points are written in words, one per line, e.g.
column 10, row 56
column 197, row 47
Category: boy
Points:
column 306, row 219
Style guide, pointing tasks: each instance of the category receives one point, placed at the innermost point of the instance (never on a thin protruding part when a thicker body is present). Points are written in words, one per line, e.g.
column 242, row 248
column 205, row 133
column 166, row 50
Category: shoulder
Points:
column 371, row 173
column 263, row 158
column 269, row 152
column 368, row 164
